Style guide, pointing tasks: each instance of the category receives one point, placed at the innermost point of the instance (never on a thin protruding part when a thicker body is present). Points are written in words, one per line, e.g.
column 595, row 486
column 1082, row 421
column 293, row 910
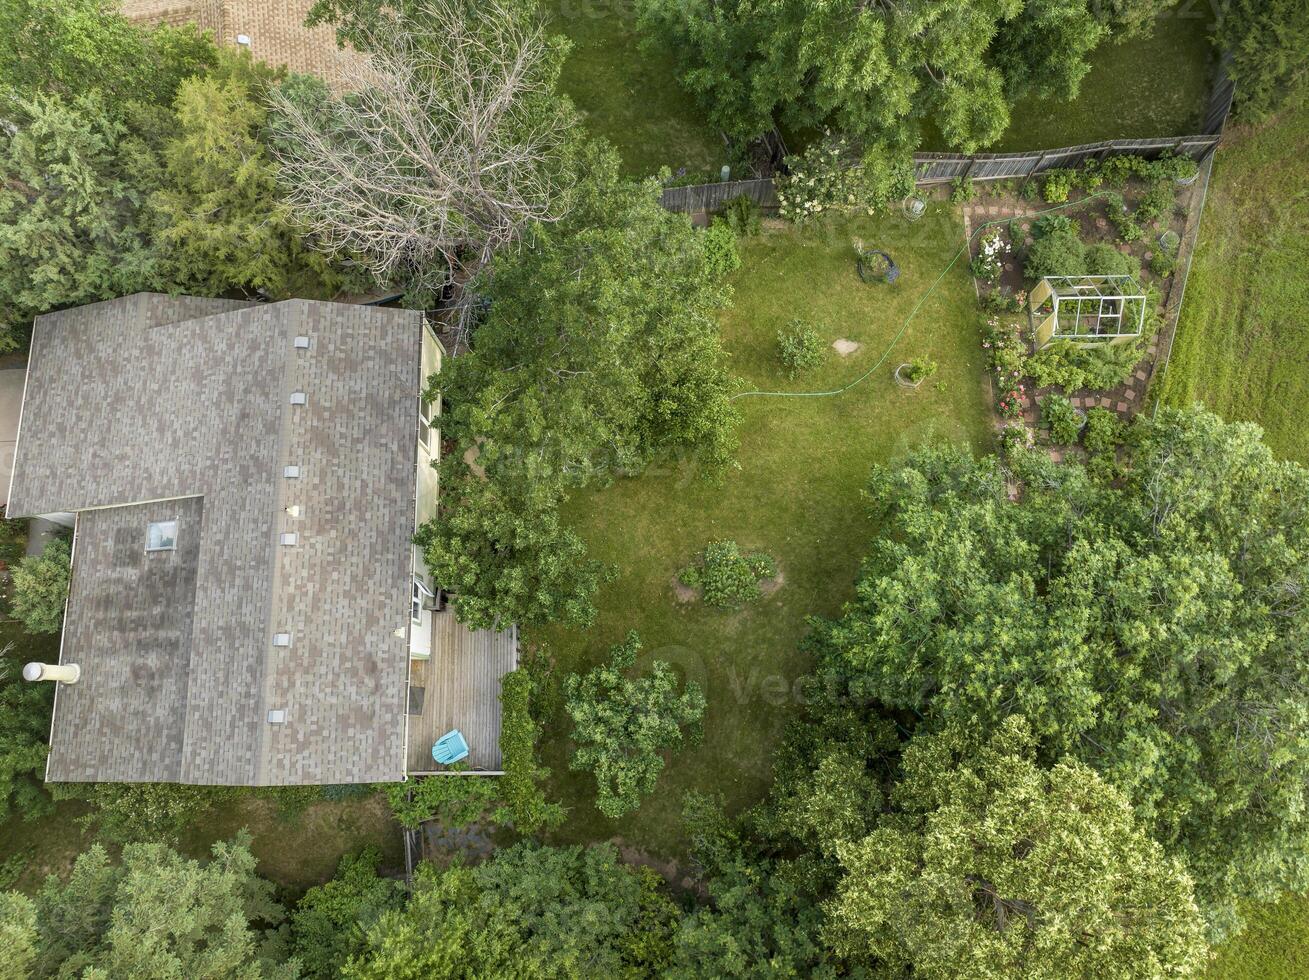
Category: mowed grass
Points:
column 1274, row 945
column 1242, row 345
column 629, row 96
column 796, row 495
column 1158, row 85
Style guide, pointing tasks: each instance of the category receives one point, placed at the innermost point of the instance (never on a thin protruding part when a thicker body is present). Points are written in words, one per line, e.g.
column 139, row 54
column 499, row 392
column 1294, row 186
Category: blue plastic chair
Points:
column 450, row 748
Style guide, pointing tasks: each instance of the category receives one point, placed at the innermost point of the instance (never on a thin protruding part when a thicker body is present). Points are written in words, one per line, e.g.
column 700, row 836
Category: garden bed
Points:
column 1016, row 206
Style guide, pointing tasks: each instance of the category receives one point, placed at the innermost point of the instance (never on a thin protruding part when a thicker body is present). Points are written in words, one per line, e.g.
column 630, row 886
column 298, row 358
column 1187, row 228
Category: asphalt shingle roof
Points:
column 156, row 408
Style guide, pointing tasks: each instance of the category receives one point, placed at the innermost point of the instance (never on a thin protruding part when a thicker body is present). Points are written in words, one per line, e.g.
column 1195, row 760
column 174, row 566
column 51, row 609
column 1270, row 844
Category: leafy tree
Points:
column 873, row 71
column 598, row 354
column 621, row 725
column 1269, row 44
column 526, row 911
column 41, row 588
column 75, row 179
column 1130, row 18
column 224, row 225
column 24, row 730
column 329, row 923
column 1155, row 630
column 160, row 914
column 18, row 936
column 73, row 47
column 994, row 866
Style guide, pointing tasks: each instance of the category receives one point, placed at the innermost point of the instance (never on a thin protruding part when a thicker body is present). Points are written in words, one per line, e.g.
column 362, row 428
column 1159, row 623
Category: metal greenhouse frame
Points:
column 1087, row 309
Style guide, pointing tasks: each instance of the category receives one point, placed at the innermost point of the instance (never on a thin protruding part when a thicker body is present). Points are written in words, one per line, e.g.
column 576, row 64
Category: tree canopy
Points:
column 990, row 865
column 1269, row 44
column 622, row 724
column 1155, row 630
column 41, row 588
column 874, row 71
column 598, row 352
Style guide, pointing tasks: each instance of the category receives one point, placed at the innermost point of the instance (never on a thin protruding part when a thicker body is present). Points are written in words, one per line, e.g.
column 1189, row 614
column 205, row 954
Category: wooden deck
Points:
column 461, row 689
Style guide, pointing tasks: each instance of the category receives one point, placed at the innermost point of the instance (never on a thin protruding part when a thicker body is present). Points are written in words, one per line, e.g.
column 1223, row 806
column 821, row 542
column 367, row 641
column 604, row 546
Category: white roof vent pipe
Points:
column 64, row 673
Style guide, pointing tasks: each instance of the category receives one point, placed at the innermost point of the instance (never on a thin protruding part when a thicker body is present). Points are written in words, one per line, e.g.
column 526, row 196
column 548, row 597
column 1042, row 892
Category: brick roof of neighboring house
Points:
column 276, row 29
column 156, row 408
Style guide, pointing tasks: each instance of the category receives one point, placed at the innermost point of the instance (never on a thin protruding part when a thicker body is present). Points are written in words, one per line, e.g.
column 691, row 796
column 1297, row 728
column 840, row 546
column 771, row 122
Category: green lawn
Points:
column 1242, row 345
column 796, row 495
column 1152, row 86
column 1274, row 946
column 629, row 97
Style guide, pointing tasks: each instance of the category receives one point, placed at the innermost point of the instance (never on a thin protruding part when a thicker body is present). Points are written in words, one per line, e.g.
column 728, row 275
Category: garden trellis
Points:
column 1086, row 309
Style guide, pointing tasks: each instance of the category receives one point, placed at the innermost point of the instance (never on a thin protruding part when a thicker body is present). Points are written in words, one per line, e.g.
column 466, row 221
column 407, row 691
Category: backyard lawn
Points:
column 1242, row 345
column 1274, row 946
column 796, row 495
column 631, row 98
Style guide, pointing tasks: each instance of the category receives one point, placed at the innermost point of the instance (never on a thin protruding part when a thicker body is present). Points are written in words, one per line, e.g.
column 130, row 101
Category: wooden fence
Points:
column 712, row 197
column 934, row 168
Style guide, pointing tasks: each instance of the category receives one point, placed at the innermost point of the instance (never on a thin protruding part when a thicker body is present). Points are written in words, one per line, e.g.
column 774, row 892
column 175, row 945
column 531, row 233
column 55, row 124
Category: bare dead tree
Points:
column 446, row 145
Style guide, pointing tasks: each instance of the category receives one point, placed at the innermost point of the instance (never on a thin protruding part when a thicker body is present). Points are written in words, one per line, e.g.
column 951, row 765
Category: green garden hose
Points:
column 918, row 305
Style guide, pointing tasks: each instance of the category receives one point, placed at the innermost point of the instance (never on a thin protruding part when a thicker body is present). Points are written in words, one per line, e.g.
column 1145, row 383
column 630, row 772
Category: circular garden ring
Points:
column 877, row 266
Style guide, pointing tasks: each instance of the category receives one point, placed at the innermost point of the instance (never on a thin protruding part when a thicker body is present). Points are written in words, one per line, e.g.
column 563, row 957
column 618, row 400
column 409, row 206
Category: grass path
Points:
column 1242, row 344
column 796, row 495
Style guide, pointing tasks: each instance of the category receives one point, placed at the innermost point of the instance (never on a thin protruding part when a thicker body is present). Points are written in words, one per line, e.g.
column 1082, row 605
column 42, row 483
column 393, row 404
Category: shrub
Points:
column 799, row 347
column 721, row 256
column 1056, row 254
column 41, row 587
column 741, row 214
column 1173, row 167
column 991, row 250
column 1015, row 438
column 829, row 177
column 524, row 803
column 1061, row 418
column 962, row 190
column 1098, row 367
column 452, row 801
column 1102, row 259
column 1054, row 224
column 1104, row 431
column 919, row 370
column 725, row 576
column 1157, row 202
column 1057, row 184
column 1162, row 264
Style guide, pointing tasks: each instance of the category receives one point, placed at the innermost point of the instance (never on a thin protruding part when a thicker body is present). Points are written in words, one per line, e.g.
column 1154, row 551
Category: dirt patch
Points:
column 672, row 872
column 684, row 593
column 845, row 347
column 770, row 585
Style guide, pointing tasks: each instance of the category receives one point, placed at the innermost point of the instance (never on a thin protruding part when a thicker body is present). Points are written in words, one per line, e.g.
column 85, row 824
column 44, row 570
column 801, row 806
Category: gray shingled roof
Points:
column 153, row 407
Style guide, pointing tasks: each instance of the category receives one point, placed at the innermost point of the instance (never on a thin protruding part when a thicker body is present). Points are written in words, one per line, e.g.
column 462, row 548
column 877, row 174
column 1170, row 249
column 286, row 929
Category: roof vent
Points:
column 302, row 343
column 281, row 639
column 243, row 40
column 289, row 538
column 291, row 472
column 277, row 716
column 299, row 398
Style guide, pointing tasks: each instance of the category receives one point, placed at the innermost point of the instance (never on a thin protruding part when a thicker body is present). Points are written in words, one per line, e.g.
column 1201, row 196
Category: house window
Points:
column 416, row 603
column 161, row 536
column 426, row 413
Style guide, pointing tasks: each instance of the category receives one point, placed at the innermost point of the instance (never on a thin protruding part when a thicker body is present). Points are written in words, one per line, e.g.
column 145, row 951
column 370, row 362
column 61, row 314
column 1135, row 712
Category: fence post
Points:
column 1036, row 168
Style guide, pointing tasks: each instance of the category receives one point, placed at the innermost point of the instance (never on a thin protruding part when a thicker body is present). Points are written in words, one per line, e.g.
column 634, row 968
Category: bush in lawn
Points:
column 1102, row 259
column 919, row 370
column 1058, row 253
column 799, row 347
column 741, row 214
column 41, row 588
column 726, row 577
column 622, row 725
column 1057, row 184
column 720, row 254
column 1061, row 418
